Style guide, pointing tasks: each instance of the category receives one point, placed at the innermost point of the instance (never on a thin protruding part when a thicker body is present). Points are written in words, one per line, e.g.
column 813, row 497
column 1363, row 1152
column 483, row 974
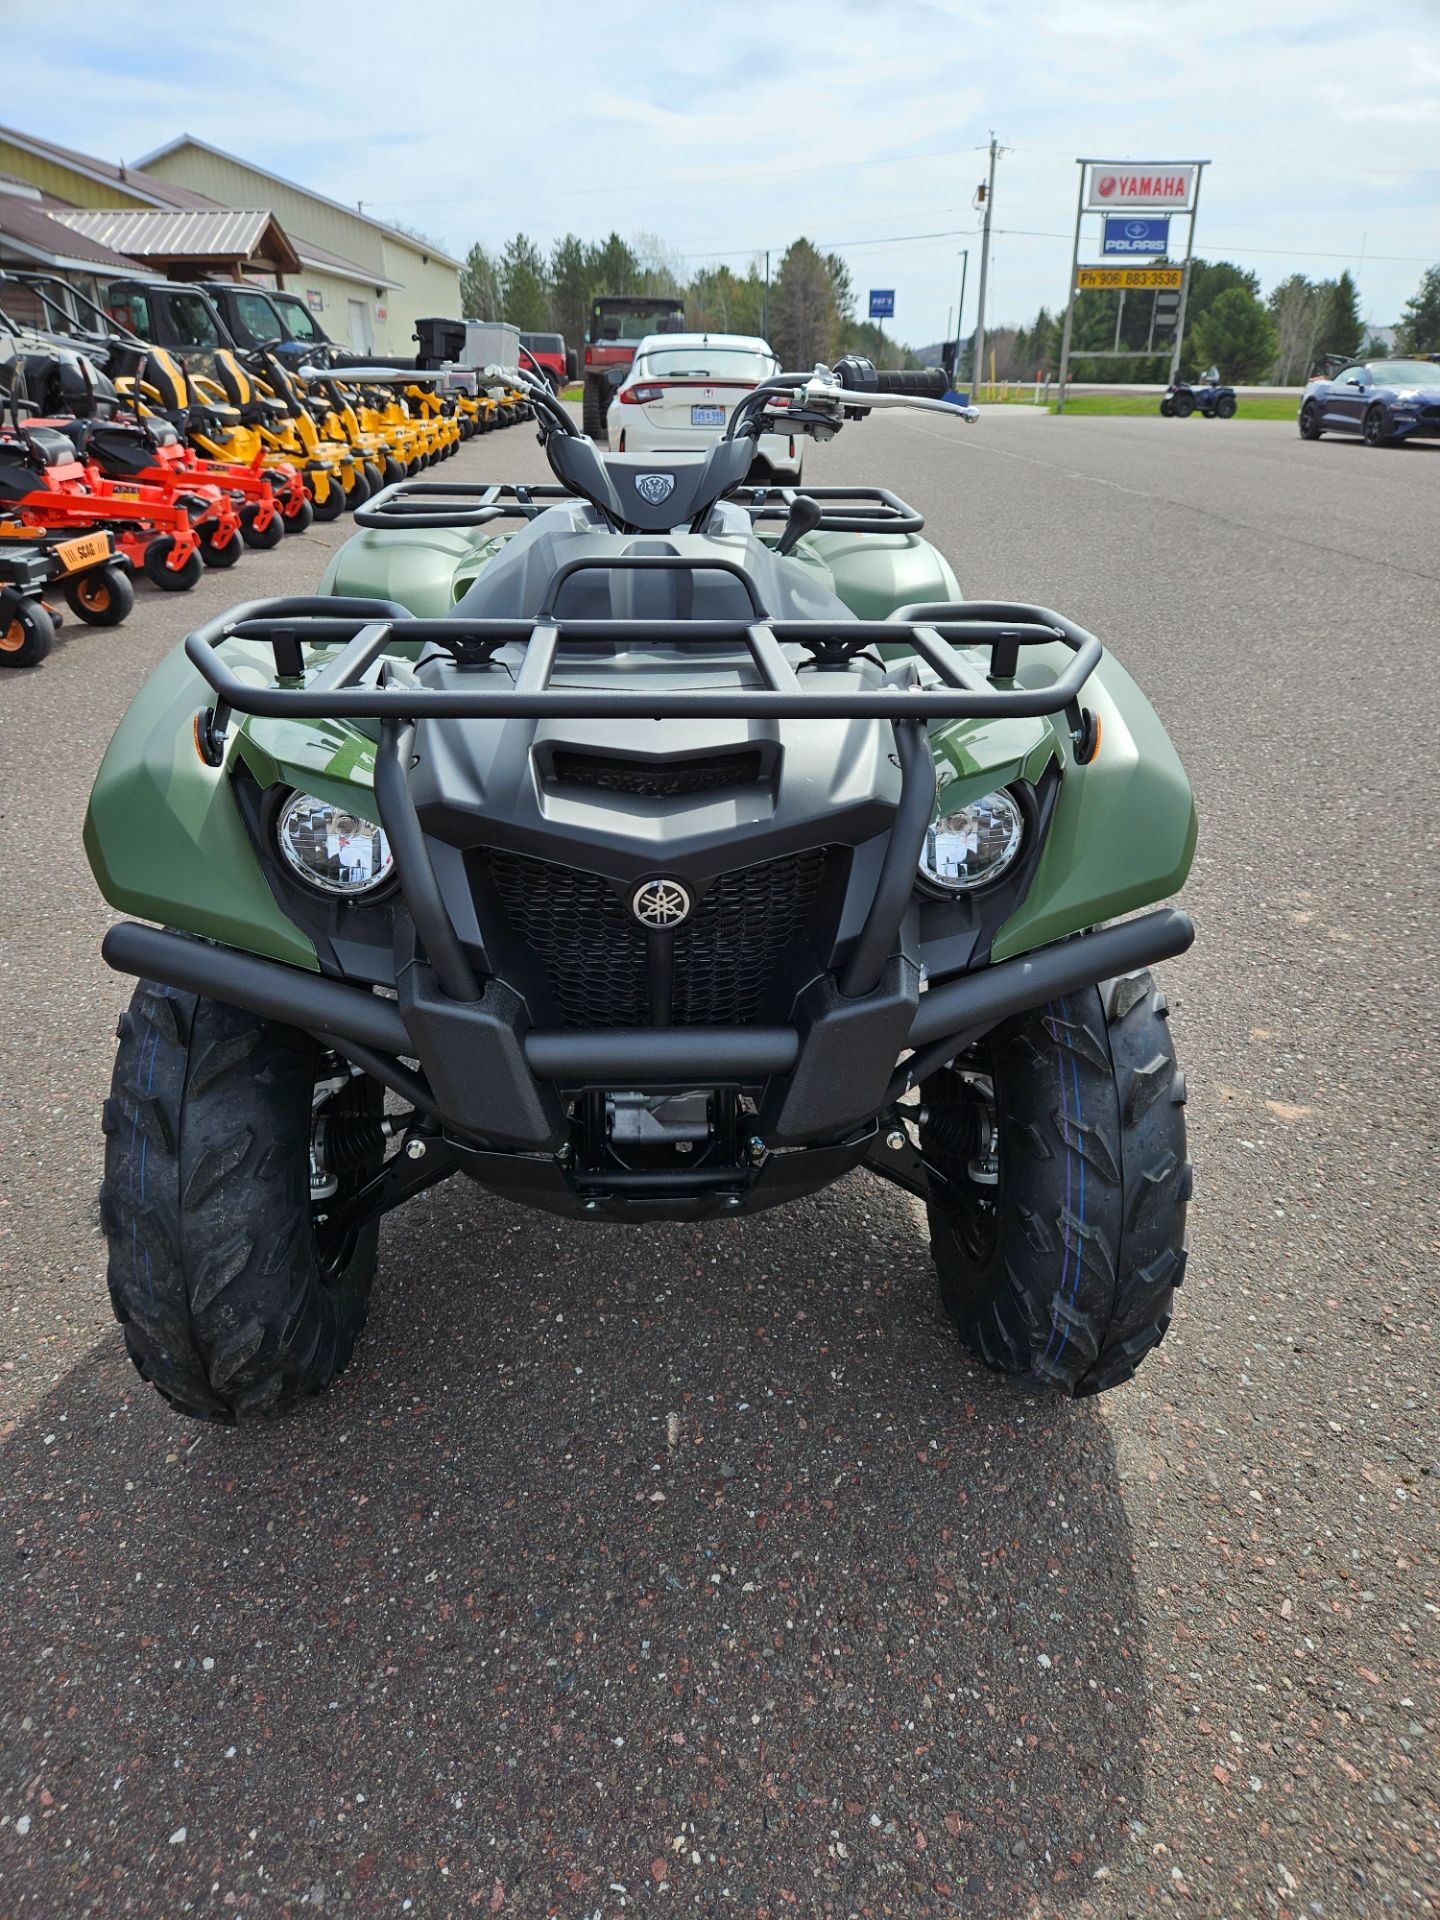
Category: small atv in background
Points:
column 595, row 840
column 1184, row 397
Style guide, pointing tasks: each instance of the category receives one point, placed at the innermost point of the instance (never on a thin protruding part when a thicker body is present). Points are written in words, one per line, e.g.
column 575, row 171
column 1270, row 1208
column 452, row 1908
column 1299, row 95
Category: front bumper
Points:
column 501, row 1091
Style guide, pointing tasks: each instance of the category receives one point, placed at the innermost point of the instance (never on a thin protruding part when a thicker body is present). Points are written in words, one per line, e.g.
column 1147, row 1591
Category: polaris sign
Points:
column 1125, row 235
column 1117, row 189
column 882, row 303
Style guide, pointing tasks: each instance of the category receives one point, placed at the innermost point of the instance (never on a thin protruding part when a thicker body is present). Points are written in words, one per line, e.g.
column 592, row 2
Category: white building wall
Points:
column 427, row 285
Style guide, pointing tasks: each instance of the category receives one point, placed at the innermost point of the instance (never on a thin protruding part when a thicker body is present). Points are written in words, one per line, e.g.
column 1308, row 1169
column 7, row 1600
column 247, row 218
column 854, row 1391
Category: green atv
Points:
column 644, row 845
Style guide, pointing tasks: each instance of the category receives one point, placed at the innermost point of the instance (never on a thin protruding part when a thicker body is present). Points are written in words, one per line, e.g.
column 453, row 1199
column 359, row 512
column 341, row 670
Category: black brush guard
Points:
column 499, row 1086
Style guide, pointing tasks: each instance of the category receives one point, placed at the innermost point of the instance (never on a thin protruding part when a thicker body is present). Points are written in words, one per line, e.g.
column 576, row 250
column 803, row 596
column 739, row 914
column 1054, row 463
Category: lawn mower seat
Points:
column 166, row 379
column 239, row 389
column 50, row 446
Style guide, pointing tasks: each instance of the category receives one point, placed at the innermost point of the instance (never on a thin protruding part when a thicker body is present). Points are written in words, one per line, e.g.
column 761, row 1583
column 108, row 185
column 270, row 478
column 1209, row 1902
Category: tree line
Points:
column 1277, row 338
column 808, row 313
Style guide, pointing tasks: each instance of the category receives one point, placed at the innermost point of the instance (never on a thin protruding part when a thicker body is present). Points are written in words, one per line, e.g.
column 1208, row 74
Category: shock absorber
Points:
column 346, row 1141
column 950, row 1128
column 341, row 1143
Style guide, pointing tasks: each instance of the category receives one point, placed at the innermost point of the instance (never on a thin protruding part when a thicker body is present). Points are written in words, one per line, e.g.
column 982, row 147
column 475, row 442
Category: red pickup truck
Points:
column 617, row 322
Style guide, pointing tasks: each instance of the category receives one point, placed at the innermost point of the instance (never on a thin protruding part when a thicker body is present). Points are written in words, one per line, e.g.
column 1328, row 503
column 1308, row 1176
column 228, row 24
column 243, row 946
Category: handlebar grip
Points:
column 920, row 383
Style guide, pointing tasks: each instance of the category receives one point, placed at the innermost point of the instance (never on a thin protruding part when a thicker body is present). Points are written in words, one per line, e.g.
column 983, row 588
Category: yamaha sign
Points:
column 1116, row 189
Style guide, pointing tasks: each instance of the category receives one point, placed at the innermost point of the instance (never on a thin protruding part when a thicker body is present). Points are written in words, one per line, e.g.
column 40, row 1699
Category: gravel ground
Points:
column 695, row 1570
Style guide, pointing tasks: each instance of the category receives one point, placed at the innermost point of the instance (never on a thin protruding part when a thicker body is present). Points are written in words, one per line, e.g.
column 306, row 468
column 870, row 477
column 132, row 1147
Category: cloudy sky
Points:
column 726, row 130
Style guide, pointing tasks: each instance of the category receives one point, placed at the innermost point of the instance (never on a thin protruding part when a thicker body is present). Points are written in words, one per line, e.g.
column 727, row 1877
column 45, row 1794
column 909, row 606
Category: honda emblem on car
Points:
column 660, row 904
column 655, row 487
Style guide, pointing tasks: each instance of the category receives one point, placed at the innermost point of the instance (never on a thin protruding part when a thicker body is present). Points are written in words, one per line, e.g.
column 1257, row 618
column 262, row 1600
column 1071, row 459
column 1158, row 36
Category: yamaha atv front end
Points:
column 651, row 882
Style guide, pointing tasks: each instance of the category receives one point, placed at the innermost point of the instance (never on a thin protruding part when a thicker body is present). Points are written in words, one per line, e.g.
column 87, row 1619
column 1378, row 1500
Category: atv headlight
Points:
column 332, row 849
column 973, row 845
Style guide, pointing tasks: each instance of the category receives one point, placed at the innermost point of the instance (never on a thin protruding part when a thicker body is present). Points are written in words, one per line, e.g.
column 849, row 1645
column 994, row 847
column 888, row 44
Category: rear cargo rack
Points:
column 454, row 503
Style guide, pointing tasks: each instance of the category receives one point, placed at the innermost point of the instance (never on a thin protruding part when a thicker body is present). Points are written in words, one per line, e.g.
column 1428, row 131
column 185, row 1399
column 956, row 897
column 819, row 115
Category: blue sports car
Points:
column 1386, row 402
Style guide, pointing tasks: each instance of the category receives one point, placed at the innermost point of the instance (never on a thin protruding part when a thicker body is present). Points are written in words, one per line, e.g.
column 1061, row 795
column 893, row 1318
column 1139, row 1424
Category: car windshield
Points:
column 622, row 326
column 1404, row 373
column 297, row 316
column 193, row 320
column 257, row 314
column 709, row 363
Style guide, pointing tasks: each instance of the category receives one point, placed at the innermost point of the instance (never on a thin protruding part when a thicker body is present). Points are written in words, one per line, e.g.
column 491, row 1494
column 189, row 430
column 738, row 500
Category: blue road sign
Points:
column 882, row 303
column 1129, row 233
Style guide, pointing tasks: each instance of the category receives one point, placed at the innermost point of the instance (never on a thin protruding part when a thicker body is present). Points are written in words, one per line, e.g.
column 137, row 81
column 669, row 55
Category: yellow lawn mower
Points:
column 310, row 428
column 226, row 415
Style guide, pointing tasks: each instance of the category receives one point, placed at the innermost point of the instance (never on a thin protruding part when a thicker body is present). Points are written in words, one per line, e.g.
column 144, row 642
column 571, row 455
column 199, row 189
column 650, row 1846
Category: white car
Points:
column 681, row 390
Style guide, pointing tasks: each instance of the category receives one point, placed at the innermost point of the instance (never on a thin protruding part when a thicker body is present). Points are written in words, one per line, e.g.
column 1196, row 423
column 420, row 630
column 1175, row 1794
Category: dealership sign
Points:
column 1129, row 279
column 1126, row 234
column 1121, row 188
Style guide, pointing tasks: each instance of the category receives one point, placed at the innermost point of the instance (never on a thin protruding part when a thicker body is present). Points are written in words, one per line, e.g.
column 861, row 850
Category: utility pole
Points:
column 960, row 317
column 979, row 354
column 765, row 312
column 1179, row 347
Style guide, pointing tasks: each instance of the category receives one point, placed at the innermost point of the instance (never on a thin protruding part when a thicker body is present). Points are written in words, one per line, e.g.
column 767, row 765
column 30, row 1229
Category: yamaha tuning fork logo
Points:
column 655, row 487
column 660, row 905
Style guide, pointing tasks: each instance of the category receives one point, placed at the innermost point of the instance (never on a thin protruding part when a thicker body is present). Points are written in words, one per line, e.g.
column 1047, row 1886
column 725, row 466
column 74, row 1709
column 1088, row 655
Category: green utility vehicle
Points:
column 644, row 845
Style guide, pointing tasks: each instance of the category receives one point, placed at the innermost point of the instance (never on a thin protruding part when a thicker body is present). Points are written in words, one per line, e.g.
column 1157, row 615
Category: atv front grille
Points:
column 712, row 774
column 595, row 955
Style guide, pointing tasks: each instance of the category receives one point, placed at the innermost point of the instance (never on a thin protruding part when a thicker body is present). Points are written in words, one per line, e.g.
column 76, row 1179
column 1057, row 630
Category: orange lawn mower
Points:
column 48, row 458
column 86, row 568
column 150, row 451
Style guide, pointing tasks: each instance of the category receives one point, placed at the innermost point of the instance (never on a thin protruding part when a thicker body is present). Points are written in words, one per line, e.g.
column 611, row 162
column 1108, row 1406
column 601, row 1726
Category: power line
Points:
column 693, row 180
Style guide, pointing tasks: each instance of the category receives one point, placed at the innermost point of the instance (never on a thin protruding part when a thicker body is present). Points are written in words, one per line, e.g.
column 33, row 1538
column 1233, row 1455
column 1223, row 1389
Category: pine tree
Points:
column 1235, row 334
column 570, row 289
column 804, row 325
column 613, row 268
column 1341, row 328
column 480, row 297
column 1419, row 329
column 524, row 284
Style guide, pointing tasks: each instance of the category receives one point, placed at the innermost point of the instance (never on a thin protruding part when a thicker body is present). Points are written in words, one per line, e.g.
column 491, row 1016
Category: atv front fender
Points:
column 163, row 835
column 1124, row 827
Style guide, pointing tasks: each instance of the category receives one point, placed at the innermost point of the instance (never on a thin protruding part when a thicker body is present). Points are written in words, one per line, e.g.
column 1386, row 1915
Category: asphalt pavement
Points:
column 696, row 1570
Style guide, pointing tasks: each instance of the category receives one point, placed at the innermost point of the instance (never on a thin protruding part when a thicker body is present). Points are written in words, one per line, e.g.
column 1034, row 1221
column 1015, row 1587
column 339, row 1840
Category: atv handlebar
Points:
column 819, row 403
column 916, row 383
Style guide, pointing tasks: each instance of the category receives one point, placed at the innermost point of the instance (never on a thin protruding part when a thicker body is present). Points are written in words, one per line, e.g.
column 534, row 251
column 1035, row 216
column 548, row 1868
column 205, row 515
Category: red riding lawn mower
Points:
column 161, row 517
column 45, row 484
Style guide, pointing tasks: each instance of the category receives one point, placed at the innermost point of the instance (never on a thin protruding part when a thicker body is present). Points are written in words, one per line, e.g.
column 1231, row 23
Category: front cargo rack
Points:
column 367, row 631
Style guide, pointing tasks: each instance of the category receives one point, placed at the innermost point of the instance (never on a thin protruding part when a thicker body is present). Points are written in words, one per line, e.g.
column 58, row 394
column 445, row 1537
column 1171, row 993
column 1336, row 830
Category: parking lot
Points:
column 696, row 1570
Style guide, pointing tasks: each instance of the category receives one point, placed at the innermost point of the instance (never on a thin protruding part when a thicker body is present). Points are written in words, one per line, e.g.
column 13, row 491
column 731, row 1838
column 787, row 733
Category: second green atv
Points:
column 664, row 848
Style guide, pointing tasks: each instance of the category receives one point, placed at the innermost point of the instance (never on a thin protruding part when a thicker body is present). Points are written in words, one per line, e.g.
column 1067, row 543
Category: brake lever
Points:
column 853, row 398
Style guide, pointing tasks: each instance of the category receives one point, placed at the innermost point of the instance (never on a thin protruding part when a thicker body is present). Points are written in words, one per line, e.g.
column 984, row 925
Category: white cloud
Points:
column 848, row 120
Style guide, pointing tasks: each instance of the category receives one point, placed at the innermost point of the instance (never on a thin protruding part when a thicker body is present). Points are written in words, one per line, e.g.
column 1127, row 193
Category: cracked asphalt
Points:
column 695, row 1570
